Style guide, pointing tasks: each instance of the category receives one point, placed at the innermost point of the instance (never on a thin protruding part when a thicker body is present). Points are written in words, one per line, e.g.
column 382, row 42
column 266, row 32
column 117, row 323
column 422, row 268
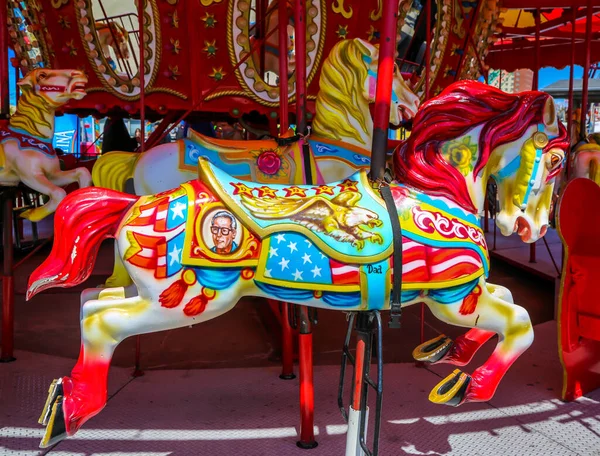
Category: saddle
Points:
column 346, row 220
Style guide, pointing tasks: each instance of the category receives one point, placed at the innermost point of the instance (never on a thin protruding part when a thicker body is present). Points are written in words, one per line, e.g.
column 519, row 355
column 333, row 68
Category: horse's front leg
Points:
column 491, row 314
column 80, row 175
column 460, row 351
column 40, row 183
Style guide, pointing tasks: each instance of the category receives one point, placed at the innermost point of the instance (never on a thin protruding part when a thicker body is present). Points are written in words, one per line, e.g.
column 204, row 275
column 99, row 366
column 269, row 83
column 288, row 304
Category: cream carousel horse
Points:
column 340, row 143
column 194, row 251
column 585, row 159
column 113, row 35
column 26, row 152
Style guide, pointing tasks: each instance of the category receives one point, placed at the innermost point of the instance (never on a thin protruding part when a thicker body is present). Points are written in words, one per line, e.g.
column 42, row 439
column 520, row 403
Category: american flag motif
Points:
column 161, row 253
column 294, row 258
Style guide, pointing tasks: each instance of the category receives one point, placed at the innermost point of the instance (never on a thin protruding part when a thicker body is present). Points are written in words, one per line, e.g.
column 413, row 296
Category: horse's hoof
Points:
column 33, row 215
column 433, row 350
column 56, row 429
column 452, row 390
column 55, row 390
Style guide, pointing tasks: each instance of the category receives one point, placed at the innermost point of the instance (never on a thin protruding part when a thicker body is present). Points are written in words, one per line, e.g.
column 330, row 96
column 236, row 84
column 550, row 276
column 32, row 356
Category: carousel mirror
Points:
column 23, row 23
column 260, row 72
column 110, row 30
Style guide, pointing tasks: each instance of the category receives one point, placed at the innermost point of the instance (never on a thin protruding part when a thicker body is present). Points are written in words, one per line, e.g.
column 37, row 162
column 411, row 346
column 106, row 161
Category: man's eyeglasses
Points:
column 224, row 231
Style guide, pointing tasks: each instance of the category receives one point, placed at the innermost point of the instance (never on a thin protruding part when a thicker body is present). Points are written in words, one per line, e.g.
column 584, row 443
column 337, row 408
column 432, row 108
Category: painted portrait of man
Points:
column 223, row 228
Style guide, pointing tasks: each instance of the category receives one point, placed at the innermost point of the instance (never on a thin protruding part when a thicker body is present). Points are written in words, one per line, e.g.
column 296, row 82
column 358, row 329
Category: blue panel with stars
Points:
column 294, row 258
column 174, row 250
column 177, row 212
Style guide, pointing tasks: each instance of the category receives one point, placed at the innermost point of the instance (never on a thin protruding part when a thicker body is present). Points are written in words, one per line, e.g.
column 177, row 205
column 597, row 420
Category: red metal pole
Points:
column 283, row 67
column 428, row 47
column 385, row 73
column 536, row 83
column 4, row 86
column 287, row 345
column 142, row 75
column 300, row 50
column 586, row 71
column 305, row 368
column 8, row 287
column 570, row 106
column 261, row 10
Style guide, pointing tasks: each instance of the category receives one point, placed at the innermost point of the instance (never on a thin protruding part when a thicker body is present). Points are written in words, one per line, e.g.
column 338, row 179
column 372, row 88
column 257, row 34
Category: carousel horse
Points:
column 585, row 159
column 195, row 250
column 26, row 152
column 113, row 35
column 340, row 143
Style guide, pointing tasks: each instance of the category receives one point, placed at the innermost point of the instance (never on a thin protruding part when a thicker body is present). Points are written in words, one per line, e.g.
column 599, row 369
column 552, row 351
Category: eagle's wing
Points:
column 281, row 208
column 347, row 198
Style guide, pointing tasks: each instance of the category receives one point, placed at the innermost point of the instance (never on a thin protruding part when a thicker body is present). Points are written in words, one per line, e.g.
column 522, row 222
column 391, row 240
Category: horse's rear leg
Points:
column 40, row 183
column 120, row 276
column 104, row 324
column 460, row 351
column 491, row 314
column 80, row 175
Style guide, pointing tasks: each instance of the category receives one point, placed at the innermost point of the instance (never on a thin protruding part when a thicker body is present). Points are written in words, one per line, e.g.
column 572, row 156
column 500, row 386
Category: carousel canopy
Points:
column 515, row 45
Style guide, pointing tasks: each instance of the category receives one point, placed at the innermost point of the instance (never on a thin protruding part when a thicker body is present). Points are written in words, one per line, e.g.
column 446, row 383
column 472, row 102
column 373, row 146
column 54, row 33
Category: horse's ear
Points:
column 550, row 116
column 365, row 47
column 27, row 82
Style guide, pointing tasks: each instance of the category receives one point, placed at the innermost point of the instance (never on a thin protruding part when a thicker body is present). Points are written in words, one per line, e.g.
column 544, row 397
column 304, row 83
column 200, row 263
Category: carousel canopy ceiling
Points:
column 515, row 45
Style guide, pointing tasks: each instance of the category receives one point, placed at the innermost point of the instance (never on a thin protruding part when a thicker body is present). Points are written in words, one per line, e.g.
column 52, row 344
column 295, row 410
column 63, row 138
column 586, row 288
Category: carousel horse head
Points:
column 114, row 35
column 347, row 86
column 472, row 132
column 54, row 87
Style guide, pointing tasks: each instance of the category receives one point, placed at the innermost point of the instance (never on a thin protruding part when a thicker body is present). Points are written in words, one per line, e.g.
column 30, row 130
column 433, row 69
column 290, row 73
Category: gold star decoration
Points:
column 217, row 74
column 174, row 69
column 342, row 32
column 326, row 189
column 373, row 33
column 176, row 46
column 209, row 20
column 348, row 185
column 266, row 192
column 294, row 191
column 174, row 19
column 72, row 49
column 449, row 71
column 210, row 48
column 64, row 22
column 242, row 189
column 456, row 49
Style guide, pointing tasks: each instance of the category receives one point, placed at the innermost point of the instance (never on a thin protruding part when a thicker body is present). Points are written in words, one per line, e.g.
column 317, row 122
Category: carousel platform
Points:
column 252, row 412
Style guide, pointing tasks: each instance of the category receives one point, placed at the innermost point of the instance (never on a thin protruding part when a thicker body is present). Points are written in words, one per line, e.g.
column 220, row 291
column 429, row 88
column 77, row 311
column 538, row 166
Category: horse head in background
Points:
column 26, row 152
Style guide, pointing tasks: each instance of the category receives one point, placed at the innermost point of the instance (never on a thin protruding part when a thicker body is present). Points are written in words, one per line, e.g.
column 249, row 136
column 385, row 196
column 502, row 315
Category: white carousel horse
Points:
column 113, row 35
column 26, row 152
column 585, row 159
column 340, row 143
column 194, row 251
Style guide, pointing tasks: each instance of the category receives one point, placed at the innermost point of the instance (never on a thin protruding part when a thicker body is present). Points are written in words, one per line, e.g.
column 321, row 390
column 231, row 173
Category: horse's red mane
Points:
column 461, row 106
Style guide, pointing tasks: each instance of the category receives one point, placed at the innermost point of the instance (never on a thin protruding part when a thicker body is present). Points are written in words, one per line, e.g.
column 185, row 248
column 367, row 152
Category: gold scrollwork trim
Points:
column 338, row 7
column 150, row 37
column 251, row 92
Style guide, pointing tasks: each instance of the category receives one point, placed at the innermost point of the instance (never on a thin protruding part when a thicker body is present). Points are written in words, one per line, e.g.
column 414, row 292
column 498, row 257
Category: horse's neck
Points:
column 365, row 138
column 22, row 121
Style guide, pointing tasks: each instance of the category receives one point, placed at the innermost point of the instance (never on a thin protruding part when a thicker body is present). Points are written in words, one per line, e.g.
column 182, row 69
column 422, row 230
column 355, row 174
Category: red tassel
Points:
column 196, row 306
column 469, row 304
column 173, row 295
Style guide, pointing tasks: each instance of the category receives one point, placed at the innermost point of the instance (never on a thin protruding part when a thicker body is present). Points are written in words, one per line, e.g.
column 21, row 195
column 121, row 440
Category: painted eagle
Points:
column 339, row 217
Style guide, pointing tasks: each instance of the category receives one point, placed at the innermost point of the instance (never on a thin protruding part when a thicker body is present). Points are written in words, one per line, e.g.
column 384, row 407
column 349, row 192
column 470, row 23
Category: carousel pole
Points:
column 570, row 105
column 305, row 340
column 536, row 81
column 586, row 71
column 427, row 47
column 8, row 287
column 385, row 73
column 137, row 371
column 282, row 22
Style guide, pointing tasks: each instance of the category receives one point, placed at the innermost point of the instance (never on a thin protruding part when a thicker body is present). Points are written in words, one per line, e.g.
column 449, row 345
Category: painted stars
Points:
column 342, row 32
column 266, row 192
column 348, row 185
column 242, row 189
column 295, row 191
column 210, row 47
column 209, row 20
column 323, row 189
column 177, row 210
column 175, row 256
column 217, row 74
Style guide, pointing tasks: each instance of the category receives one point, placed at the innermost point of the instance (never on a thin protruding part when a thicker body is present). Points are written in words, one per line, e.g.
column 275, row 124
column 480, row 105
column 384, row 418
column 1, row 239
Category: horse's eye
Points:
column 42, row 75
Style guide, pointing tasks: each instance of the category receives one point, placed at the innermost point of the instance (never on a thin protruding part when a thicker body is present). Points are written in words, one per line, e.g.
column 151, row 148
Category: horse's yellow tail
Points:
column 113, row 169
column 594, row 170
